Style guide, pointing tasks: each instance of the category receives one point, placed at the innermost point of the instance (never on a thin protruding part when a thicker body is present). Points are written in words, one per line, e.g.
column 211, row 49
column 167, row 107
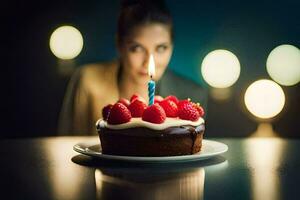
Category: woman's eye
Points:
column 136, row 48
column 161, row 48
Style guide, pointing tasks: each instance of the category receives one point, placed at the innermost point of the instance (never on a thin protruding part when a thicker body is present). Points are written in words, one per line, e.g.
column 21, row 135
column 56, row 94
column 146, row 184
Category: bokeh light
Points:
column 264, row 98
column 283, row 65
column 66, row 42
column 220, row 68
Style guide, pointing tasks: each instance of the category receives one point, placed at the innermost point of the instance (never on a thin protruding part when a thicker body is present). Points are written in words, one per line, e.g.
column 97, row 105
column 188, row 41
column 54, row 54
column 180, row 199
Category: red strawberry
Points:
column 137, row 108
column 154, row 114
column 124, row 101
column 172, row 98
column 158, row 98
column 119, row 114
column 136, row 96
column 170, row 108
column 106, row 110
column 187, row 111
column 182, row 102
column 133, row 97
column 199, row 109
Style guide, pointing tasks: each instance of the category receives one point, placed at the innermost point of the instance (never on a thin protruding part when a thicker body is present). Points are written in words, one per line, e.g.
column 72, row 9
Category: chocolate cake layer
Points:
column 141, row 141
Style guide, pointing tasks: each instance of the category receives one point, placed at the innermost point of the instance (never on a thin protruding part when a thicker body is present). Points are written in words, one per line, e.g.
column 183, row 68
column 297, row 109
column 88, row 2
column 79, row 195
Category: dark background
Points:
column 33, row 88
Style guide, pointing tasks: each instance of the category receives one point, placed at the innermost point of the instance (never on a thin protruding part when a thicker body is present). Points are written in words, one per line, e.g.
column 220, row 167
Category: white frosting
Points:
column 138, row 122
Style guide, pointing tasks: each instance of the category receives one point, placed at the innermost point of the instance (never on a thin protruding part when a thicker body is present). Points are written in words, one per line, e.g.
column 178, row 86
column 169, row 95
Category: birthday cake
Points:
column 169, row 127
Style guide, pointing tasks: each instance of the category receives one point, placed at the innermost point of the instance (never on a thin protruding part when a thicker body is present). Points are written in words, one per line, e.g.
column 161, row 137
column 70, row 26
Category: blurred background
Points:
column 34, row 80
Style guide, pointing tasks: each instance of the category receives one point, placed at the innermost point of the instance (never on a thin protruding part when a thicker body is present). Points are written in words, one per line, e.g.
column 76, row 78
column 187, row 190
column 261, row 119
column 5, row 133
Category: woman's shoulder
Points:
column 102, row 69
column 98, row 73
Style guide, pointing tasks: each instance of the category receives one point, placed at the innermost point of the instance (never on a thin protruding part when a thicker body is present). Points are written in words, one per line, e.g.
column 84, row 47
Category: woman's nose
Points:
column 146, row 59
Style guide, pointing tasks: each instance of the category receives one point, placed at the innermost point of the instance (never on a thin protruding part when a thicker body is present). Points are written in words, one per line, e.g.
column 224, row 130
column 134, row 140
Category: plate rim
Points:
column 79, row 148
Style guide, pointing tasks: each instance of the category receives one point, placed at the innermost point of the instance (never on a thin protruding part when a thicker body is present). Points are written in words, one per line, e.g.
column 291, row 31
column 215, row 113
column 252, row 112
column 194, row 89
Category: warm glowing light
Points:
column 220, row 68
column 66, row 42
column 151, row 66
column 264, row 98
column 283, row 65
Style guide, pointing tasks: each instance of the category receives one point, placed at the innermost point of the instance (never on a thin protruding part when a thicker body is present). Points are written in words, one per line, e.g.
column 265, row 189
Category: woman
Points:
column 144, row 28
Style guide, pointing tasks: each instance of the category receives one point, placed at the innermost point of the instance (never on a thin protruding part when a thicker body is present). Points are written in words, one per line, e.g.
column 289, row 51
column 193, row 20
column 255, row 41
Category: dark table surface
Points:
column 48, row 168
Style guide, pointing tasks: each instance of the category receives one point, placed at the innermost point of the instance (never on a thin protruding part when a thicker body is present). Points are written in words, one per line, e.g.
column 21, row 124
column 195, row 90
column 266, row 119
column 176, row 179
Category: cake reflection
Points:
column 150, row 183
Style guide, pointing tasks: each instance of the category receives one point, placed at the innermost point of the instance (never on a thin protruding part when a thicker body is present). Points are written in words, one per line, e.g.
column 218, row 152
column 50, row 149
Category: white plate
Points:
column 209, row 149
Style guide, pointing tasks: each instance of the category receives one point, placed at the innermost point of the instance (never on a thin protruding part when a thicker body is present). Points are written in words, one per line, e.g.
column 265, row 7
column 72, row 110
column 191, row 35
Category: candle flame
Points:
column 151, row 66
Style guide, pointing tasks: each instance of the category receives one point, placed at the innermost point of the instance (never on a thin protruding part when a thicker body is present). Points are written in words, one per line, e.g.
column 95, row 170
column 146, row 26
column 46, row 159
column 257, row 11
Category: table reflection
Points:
column 265, row 156
column 66, row 179
column 158, row 181
column 152, row 184
column 48, row 168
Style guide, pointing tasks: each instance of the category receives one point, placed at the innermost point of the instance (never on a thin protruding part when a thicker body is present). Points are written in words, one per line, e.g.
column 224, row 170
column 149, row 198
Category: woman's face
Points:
column 144, row 40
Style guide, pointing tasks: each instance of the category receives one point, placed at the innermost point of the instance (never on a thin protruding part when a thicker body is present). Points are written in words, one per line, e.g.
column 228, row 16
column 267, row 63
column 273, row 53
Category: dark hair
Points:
column 139, row 12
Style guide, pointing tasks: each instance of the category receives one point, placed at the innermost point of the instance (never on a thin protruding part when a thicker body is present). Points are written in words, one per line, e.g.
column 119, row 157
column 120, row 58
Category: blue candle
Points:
column 151, row 91
column 151, row 83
